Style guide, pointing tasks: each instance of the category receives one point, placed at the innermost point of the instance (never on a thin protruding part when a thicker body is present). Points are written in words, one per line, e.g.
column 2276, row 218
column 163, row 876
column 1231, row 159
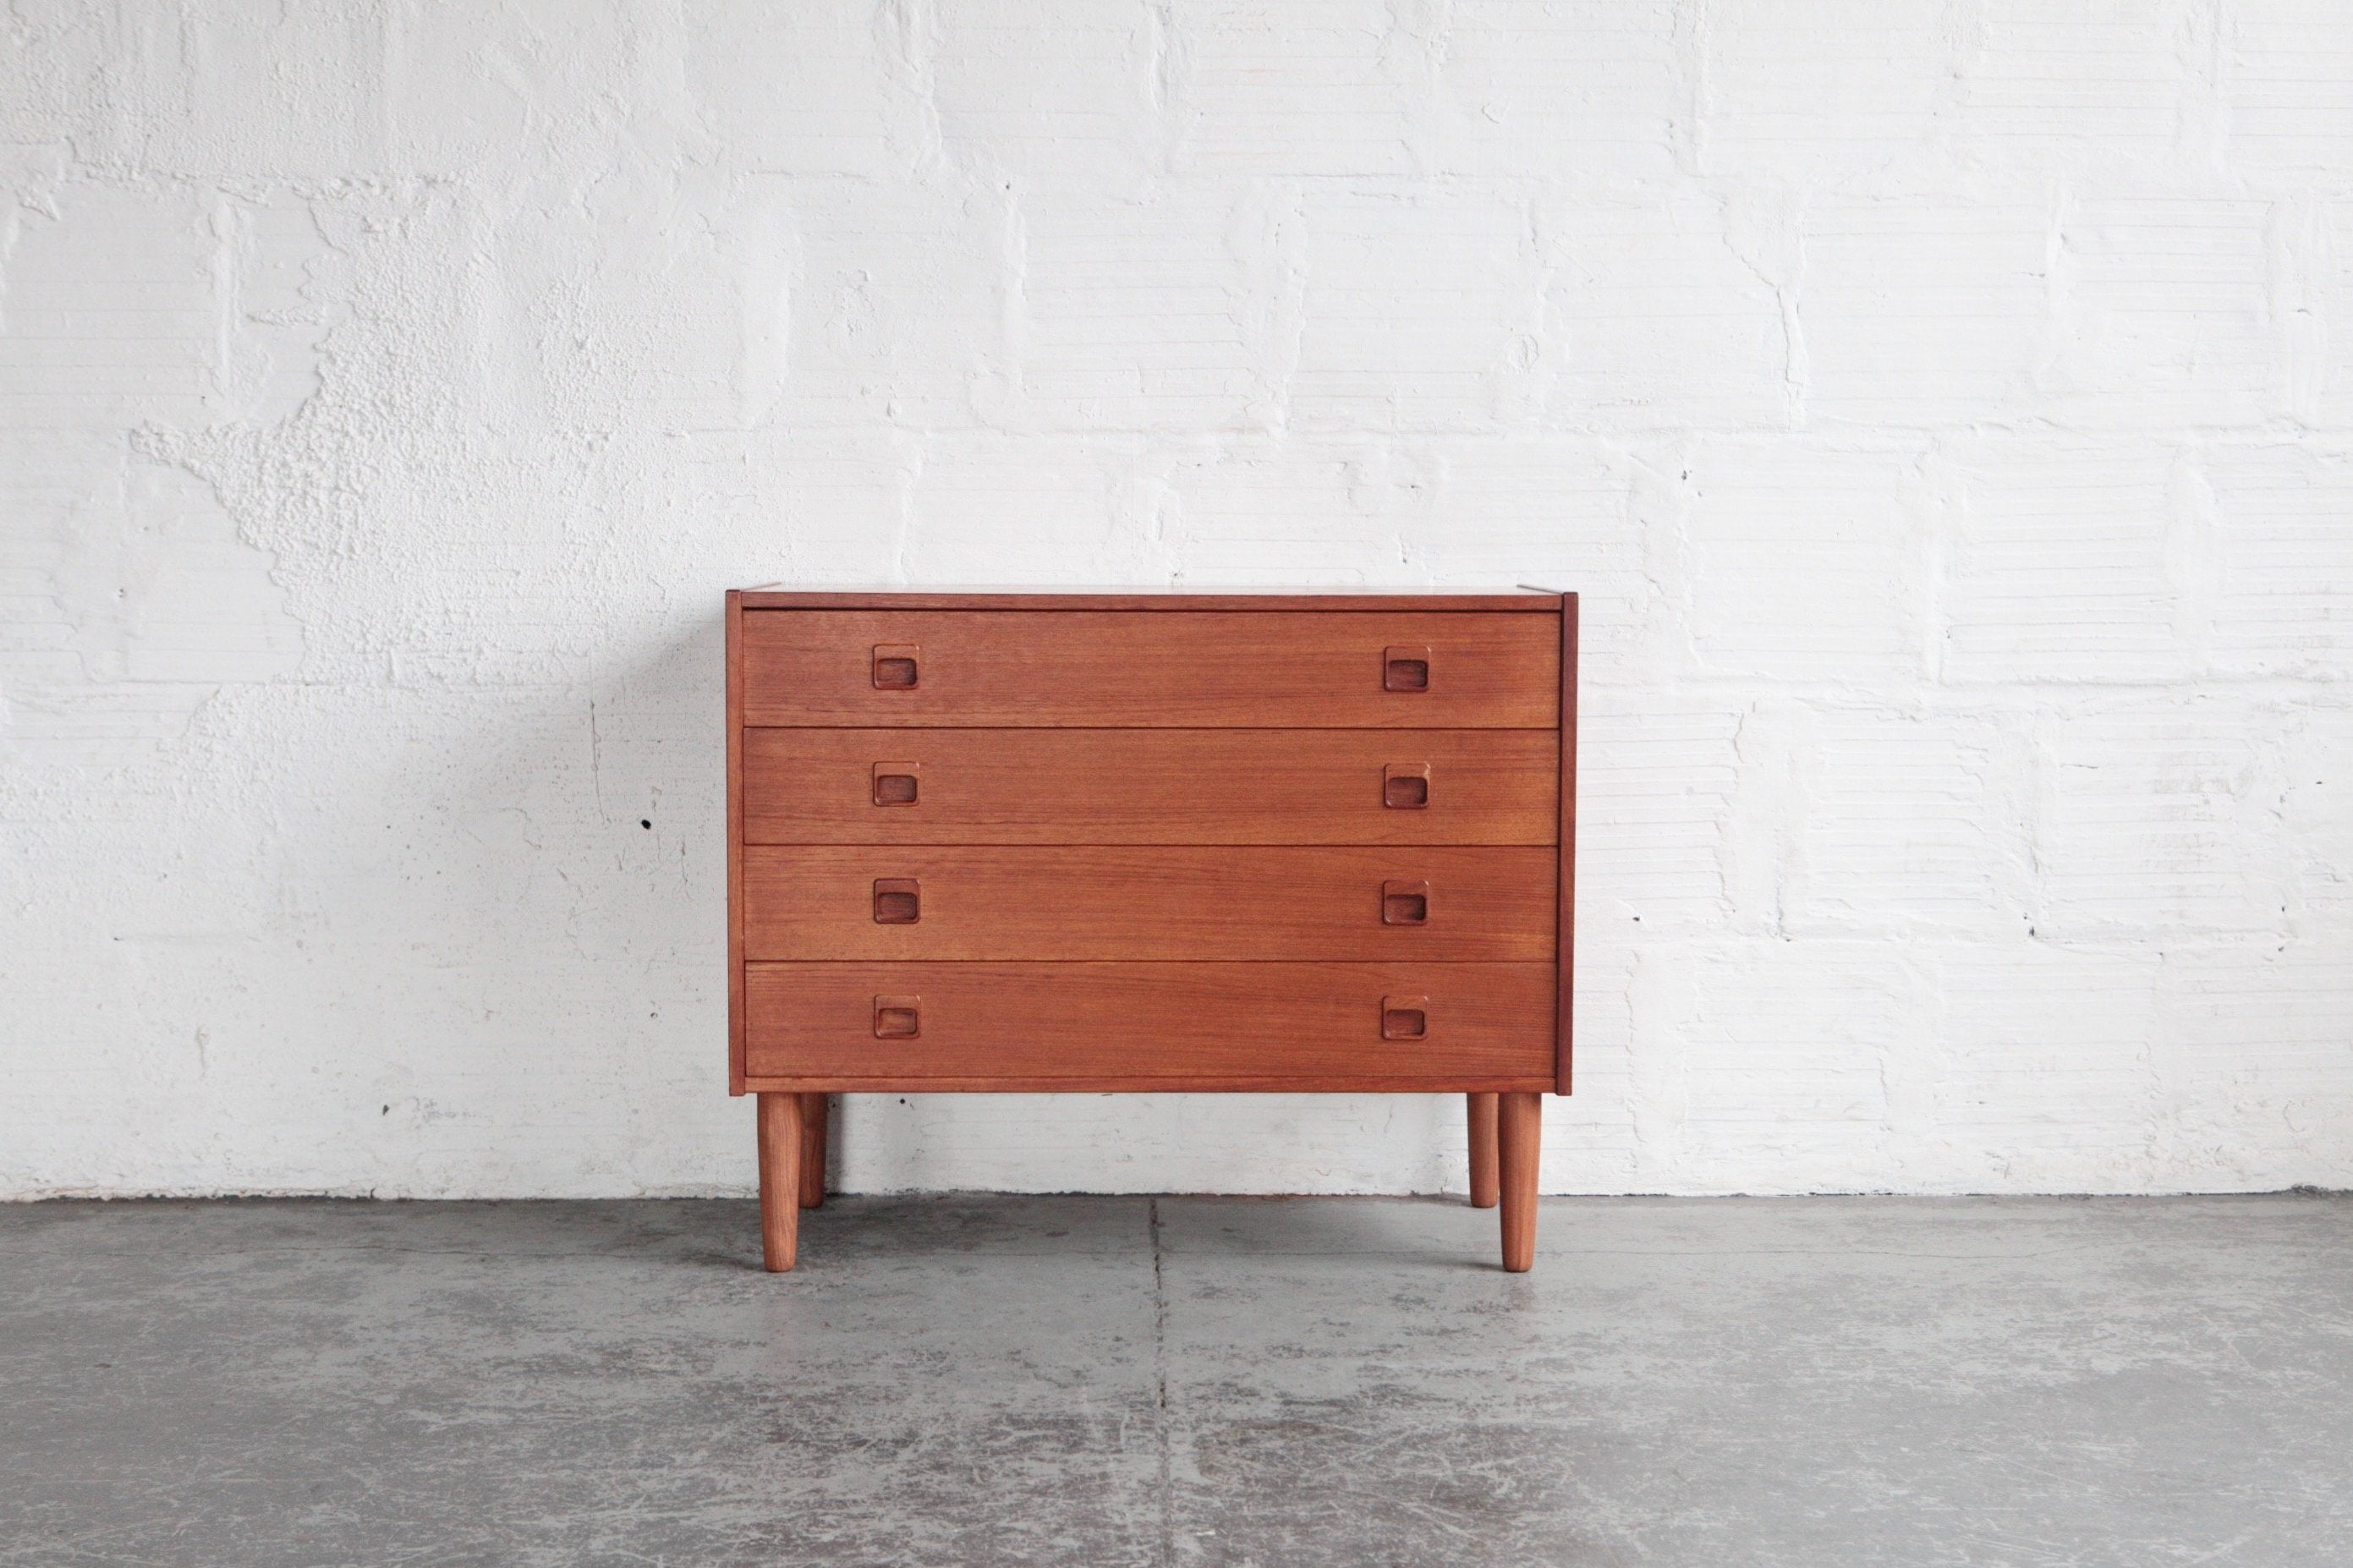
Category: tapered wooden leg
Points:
column 813, row 1109
column 1518, row 1121
column 1483, row 1150
column 780, row 1180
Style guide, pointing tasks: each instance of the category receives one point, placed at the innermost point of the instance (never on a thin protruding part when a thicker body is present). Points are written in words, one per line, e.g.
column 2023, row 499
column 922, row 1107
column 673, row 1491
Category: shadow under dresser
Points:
column 1150, row 842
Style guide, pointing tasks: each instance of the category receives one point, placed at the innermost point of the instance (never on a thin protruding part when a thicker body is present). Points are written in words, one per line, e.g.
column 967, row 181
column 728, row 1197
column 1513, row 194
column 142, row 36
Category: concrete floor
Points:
column 970, row 1381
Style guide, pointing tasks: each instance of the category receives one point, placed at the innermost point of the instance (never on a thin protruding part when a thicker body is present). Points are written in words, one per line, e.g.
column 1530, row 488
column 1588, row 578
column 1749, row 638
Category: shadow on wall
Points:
column 509, row 889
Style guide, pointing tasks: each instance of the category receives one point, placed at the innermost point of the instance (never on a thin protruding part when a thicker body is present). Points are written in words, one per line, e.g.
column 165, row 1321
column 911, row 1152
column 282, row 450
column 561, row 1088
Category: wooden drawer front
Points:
column 1149, row 786
column 1152, row 1026
column 861, row 901
column 1152, row 669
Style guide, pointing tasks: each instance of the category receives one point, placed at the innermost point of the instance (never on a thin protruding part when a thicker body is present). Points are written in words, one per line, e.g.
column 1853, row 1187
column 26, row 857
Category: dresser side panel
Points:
column 1565, row 904
column 734, row 719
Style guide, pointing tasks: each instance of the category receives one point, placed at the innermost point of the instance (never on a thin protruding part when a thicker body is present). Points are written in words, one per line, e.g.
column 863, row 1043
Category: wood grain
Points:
column 973, row 1081
column 814, row 1109
column 1027, row 902
column 1147, row 600
column 780, row 1181
column 1173, row 1026
column 1519, row 1122
column 1565, row 905
column 1150, row 786
column 1144, row 842
column 1483, row 1169
column 734, row 844
column 1081, row 668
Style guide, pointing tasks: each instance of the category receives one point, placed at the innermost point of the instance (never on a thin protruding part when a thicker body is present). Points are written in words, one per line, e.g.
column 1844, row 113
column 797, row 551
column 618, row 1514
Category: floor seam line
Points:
column 1160, row 1387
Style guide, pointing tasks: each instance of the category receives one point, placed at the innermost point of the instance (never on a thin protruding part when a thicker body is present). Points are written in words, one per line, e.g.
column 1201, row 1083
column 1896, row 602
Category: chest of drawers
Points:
column 1246, row 843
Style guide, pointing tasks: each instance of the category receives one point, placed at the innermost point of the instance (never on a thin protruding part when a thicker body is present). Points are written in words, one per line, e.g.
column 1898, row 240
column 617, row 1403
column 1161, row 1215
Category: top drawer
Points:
column 1273, row 670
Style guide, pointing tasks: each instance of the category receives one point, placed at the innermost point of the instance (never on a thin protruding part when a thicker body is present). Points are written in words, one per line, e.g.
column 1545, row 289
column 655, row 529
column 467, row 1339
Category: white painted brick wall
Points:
column 1945, row 407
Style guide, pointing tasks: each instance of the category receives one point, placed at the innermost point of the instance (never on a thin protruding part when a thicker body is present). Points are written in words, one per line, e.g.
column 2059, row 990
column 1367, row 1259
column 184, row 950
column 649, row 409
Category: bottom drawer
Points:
column 1106, row 1025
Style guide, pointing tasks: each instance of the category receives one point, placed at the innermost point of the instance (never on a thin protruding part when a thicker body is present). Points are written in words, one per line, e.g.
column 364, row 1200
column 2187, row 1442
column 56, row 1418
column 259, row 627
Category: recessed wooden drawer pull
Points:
column 1403, row 669
column 898, row 1018
column 1405, row 787
column 898, row 901
column 1402, row 903
column 1405, row 1018
column 895, row 666
column 895, row 782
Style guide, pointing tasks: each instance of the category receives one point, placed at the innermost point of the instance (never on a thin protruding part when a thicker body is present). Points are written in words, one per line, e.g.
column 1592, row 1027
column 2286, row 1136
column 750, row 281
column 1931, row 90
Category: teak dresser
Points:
column 1150, row 842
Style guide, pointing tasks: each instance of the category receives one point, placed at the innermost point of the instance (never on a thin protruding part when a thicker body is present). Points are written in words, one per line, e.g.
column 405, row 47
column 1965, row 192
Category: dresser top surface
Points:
column 779, row 596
